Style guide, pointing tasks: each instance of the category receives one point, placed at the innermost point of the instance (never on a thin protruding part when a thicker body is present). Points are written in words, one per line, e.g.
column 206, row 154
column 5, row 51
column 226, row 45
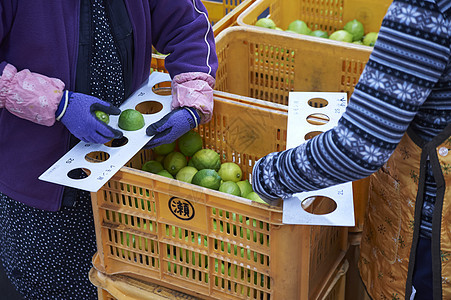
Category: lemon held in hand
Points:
column 102, row 116
column 131, row 120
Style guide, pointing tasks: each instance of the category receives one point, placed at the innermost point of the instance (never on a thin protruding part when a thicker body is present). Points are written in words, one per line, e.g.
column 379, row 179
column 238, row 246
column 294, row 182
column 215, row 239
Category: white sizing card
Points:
column 101, row 172
column 310, row 113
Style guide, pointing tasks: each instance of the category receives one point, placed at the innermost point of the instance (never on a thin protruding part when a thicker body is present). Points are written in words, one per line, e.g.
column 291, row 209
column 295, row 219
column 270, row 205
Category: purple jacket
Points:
column 42, row 36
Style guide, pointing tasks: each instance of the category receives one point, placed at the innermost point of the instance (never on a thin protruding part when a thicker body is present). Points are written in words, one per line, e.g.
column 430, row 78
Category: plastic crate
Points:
column 119, row 287
column 210, row 243
column 221, row 14
column 266, row 66
column 114, row 287
column 335, row 289
column 318, row 14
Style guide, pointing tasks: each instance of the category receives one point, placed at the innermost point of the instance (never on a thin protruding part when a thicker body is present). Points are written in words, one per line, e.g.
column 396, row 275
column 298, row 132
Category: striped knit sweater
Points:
column 406, row 82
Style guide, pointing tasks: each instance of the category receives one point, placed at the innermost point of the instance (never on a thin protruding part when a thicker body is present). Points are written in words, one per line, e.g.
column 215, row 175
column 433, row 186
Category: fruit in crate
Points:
column 370, row 39
column 164, row 149
column 174, row 161
column 207, row 178
column 165, row 173
column 230, row 171
column 266, row 23
column 130, row 120
column 355, row 28
column 186, row 174
column 319, row 33
column 206, row 159
column 230, row 187
column 341, row 35
column 190, row 143
column 152, row 166
column 299, row 26
column 255, row 197
column 245, row 187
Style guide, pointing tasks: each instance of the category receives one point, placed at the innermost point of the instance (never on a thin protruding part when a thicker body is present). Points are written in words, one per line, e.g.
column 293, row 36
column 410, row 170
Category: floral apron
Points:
column 392, row 224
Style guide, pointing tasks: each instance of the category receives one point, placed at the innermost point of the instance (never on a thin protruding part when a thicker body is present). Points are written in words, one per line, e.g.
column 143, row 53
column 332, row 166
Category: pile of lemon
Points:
column 352, row 32
column 187, row 160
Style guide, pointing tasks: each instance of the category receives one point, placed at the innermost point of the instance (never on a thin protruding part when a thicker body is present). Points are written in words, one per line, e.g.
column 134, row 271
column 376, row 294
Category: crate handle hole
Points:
column 319, row 205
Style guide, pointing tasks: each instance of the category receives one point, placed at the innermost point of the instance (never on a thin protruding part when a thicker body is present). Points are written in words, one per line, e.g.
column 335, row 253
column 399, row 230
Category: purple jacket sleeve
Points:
column 182, row 30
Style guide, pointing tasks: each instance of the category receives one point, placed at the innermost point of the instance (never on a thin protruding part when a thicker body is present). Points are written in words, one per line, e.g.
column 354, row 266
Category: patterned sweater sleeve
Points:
column 409, row 57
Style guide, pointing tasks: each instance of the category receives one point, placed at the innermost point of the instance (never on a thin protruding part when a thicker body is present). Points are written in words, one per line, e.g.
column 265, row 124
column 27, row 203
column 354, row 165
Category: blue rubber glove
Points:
column 77, row 112
column 172, row 126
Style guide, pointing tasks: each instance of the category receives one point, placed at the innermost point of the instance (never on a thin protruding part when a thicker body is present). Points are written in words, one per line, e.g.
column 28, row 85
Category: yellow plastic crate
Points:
column 329, row 15
column 209, row 243
column 118, row 287
column 221, row 14
column 266, row 66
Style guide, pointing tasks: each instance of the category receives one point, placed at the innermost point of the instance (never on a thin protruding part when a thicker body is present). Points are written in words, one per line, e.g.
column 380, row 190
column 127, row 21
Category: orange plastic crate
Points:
column 117, row 287
column 266, row 66
column 326, row 15
column 209, row 243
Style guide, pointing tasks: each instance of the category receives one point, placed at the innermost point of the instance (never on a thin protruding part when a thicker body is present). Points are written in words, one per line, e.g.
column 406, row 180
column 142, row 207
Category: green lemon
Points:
column 255, row 197
column 186, row 174
column 341, row 35
column 190, row 143
column 174, row 161
column 319, row 33
column 165, row 173
column 245, row 187
column 299, row 26
column 230, row 187
column 370, row 39
column 230, row 171
column 207, row 178
column 164, row 149
column 355, row 28
column 206, row 159
column 266, row 23
column 131, row 120
column 152, row 166
column 102, row 116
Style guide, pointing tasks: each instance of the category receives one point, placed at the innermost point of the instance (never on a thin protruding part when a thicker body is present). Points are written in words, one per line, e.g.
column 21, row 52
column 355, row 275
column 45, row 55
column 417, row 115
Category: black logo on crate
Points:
column 181, row 208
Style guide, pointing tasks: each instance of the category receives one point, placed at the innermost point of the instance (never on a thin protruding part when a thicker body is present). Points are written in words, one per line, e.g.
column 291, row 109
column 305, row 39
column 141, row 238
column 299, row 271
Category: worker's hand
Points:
column 265, row 179
column 77, row 112
column 172, row 126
